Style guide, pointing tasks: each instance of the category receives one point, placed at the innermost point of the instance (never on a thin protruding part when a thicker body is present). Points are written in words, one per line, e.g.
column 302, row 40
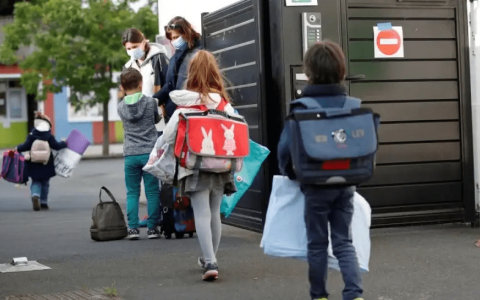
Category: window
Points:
column 3, row 100
column 16, row 103
column 13, row 101
column 14, row 84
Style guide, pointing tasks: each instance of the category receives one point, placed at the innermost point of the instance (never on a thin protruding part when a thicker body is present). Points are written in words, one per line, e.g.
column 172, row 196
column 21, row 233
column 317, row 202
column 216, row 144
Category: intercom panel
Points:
column 311, row 29
column 299, row 81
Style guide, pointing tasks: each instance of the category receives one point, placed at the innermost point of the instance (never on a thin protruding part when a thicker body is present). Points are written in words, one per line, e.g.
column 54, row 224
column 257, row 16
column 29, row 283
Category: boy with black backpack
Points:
column 40, row 166
column 328, row 145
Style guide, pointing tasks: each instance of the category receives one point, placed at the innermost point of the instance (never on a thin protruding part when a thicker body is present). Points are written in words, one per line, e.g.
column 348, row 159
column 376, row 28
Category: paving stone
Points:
column 96, row 294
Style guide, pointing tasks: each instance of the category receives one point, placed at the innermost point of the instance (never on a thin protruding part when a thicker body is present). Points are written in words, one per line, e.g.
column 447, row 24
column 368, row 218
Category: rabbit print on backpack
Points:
column 207, row 143
column 229, row 145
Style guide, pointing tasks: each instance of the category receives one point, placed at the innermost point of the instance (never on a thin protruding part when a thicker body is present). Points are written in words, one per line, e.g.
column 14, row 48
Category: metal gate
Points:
column 234, row 34
column 425, row 160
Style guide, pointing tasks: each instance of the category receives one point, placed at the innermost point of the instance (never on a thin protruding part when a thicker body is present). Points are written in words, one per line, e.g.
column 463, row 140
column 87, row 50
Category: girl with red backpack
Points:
column 204, row 88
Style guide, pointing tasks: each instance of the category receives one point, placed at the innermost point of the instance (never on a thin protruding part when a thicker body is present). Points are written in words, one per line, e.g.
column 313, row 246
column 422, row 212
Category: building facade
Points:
column 17, row 108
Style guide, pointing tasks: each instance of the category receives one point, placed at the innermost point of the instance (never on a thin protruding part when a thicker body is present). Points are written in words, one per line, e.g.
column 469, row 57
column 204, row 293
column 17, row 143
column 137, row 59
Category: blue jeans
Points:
column 334, row 206
column 40, row 188
column 133, row 178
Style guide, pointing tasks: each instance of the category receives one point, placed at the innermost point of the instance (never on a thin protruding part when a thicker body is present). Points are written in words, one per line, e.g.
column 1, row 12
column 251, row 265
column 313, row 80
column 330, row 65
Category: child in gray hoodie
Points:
column 139, row 115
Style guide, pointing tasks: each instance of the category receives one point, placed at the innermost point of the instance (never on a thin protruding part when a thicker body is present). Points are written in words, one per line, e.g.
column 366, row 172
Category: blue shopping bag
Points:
column 244, row 178
column 285, row 234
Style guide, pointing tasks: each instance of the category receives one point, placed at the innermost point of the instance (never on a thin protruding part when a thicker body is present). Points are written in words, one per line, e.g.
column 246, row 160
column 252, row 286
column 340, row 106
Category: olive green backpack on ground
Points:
column 108, row 220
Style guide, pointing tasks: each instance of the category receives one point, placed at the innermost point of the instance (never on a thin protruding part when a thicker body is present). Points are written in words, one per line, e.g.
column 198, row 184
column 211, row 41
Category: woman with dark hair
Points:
column 186, row 42
column 149, row 59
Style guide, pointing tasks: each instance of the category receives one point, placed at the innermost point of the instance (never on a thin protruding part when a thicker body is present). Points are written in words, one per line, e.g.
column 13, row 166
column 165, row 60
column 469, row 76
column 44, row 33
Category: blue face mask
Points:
column 178, row 43
column 136, row 53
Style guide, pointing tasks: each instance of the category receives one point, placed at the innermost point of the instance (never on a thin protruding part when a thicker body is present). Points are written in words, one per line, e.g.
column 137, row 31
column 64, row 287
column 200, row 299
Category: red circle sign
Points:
column 388, row 41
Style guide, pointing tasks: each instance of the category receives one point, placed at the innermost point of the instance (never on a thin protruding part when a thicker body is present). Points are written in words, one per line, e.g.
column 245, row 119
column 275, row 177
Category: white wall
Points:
column 474, row 27
column 191, row 10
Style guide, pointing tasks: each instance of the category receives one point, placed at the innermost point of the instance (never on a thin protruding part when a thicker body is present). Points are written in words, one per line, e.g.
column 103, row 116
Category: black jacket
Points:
column 176, row 76
column 38, row 171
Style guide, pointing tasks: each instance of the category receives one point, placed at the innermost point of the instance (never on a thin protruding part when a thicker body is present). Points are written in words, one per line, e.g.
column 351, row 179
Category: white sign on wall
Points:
column 388, row 41
column 301, row 2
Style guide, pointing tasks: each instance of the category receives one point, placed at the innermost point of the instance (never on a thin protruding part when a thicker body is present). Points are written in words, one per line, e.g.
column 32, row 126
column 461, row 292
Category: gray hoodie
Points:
column 139, row 121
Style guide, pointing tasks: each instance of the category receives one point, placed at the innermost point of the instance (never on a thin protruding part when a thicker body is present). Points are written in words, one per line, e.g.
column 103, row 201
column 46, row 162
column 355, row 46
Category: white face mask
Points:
column 178, row 43
column 41, row 125
column 136, row 53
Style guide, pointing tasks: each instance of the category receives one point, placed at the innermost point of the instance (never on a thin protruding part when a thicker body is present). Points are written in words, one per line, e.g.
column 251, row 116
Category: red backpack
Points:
column 212, row 140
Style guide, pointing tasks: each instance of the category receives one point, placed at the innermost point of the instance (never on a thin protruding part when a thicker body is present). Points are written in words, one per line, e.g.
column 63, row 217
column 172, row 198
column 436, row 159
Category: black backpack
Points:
column 108, row 220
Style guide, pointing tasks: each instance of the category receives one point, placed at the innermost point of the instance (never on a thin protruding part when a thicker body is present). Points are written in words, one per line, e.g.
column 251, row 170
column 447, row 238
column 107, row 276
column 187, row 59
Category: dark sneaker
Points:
column 153, row 233
column 133, row 234
column 36, row 203
column 201, row 262
column 211, row 272
column 44, row 206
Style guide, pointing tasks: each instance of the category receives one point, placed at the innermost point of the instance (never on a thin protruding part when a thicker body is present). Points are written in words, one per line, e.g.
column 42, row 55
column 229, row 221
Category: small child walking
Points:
column 139, row 115
column 41, row 172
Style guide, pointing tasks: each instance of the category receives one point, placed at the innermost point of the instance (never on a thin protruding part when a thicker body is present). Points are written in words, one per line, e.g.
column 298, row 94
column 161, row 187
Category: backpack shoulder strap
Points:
column 6, row 164
column 222, row 105
column 351, row 103
column 201, row 107
column 307, row 102
column 197, row 107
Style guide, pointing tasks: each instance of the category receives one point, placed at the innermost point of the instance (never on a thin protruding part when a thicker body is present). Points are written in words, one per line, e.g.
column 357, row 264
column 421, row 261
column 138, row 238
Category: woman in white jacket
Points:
column 204, row 86
column 150, row 60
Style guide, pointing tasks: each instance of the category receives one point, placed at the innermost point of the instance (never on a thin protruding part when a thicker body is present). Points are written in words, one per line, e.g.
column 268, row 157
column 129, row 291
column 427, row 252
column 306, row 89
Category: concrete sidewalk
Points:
column 414, row 263
column 96, row 152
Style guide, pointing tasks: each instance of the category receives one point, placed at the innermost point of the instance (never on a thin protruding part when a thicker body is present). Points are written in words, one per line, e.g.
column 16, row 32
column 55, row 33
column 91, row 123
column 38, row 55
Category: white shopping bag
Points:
column 285, row 235
column 161, row 163
column 65, row 161
column 361, row 222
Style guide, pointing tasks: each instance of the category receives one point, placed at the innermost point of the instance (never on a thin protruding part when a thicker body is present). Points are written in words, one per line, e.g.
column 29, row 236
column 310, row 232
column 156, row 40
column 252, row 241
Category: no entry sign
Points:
column 388, row 42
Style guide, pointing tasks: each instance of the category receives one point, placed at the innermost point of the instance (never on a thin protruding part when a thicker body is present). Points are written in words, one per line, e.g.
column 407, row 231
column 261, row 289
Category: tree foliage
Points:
column 77, row 44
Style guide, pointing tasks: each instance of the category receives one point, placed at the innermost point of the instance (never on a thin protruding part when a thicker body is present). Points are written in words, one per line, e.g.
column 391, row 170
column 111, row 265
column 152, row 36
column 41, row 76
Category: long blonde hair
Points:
column 204, row 76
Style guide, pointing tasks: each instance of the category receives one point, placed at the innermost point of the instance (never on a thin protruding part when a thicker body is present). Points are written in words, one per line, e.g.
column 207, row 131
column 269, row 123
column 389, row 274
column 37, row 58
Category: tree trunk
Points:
column 106, row 134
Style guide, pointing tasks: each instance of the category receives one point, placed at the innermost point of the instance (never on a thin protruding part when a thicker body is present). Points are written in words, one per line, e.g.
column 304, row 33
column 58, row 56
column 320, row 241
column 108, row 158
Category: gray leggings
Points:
column 206, row 207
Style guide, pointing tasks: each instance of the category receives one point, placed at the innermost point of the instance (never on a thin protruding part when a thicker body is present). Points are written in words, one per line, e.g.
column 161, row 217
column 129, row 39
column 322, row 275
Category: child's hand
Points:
column 121, row 92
